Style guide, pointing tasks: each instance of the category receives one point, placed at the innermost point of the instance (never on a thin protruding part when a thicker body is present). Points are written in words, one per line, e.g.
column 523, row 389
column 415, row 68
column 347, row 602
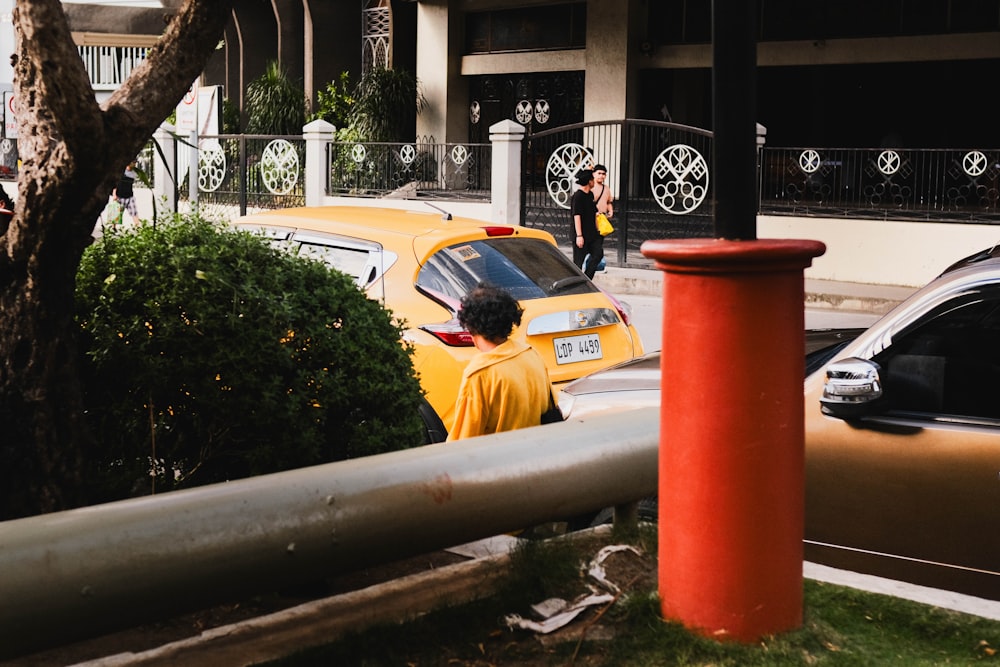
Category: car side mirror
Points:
column 853, row 388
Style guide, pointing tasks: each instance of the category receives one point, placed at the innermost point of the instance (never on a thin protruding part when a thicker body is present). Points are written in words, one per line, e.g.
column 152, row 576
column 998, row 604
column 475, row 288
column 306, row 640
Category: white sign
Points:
column 9, row 120
column 200, row 110
column 209, row 110
column 187, row 110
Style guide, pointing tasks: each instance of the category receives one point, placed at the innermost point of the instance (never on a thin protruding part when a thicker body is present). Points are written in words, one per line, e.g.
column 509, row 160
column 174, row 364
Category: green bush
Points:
column 386, row 104
column 230, row 117
column 218, row 356
column 275, row 103
column 334, row 103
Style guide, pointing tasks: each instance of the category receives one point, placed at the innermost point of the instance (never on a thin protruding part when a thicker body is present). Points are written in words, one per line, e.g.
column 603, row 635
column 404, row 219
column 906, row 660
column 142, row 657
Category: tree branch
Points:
column 137, row 108
column 55, row 101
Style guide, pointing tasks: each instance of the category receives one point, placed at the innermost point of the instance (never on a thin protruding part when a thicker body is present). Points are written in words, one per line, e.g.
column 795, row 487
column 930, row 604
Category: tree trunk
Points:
column 72, row 153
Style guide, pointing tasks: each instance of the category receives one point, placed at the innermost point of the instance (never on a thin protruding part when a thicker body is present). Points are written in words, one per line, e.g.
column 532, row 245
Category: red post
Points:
column 731, row 480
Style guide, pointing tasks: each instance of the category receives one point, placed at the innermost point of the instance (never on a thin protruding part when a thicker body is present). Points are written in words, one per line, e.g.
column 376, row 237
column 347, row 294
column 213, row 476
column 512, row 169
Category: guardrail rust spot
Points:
column 439, row 489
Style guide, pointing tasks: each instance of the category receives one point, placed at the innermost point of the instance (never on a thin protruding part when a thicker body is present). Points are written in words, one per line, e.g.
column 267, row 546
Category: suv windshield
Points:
column 527, row 268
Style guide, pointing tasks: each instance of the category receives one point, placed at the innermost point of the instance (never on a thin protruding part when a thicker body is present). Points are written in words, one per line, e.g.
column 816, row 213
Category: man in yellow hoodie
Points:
column 506, row 386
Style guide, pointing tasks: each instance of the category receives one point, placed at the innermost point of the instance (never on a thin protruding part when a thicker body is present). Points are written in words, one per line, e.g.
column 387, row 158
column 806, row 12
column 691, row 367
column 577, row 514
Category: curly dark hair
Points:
column 490, row 312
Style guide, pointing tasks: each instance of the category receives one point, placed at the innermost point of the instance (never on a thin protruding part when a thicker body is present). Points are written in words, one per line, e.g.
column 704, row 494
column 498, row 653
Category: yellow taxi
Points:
column 421, row 264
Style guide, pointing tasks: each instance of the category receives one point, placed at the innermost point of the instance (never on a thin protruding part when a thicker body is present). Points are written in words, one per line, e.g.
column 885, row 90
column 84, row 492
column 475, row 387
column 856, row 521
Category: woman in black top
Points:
column 588, row 240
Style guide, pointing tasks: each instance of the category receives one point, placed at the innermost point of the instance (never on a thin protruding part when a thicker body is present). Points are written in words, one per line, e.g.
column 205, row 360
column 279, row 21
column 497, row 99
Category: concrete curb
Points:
column 825, row 294
column 320, row 622
column 845, row 302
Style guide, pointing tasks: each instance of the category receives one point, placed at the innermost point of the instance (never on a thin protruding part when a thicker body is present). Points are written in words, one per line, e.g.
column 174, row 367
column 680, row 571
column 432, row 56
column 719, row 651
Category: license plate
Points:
column 572, row 349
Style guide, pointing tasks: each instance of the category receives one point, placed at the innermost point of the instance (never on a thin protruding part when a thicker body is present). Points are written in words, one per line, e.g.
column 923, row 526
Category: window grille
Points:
column 375, row 31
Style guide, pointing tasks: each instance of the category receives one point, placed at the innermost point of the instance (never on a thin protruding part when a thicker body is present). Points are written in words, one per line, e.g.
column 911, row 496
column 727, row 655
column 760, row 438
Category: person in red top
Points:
column 602, row 193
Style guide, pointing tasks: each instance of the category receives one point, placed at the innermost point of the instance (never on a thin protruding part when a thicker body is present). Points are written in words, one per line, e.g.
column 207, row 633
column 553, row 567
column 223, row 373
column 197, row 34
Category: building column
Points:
column 288, row 15
column 506, row 137
column 258, row 30
column 445, row 117
column 611, row 82
column 318, row 134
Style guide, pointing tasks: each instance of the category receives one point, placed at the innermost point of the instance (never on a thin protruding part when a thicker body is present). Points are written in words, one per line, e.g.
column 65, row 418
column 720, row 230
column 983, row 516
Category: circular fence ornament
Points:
column 679, row 179
column 542, row 112
column 974, row 163
column 475, row 112
column 523, row 112
column 889, row 162
column 211, row 166
column 809, row 161
column 358, row 153
column 407, row 154
column 279, row 167
column 459, row 154
column 561, row 170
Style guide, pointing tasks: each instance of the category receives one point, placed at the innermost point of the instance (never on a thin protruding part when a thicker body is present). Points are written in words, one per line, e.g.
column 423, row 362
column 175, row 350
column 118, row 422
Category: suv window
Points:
column 949, row 364
column 527, row 268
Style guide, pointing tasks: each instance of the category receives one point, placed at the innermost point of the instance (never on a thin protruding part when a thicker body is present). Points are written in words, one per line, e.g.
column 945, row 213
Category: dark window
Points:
column 949, row 364
column 680, row 22
column 527, row 29
column 974, row 16
column 924, row 17
column 690, row 21
column 527, row 268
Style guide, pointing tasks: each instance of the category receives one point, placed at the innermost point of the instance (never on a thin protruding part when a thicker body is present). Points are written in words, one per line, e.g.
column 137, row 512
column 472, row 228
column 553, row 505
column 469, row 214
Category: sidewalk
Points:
column 854, row 297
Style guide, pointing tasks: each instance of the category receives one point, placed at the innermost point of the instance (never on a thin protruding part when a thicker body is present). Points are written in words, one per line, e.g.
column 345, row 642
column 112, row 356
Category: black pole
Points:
column 734, row 114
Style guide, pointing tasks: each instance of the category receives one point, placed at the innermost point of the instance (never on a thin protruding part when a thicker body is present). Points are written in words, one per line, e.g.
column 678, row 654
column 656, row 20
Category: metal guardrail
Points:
column 76, row 574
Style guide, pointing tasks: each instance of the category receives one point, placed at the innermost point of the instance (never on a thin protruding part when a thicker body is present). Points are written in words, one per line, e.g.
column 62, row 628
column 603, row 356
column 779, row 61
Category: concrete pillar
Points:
column 611, row 82
column 506, row 137
column 308, row 57
column 445, row 117
column 258, row 39
column 318, row 135
column 611, row 86
column 165, row 167
column 290, row 27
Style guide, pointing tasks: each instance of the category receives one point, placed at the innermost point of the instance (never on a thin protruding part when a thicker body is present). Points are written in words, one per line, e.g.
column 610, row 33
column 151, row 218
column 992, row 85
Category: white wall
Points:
column 881, row 252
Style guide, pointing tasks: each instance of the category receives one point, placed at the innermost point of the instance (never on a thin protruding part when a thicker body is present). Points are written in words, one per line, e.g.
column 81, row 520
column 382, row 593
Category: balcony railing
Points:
column 109, row 66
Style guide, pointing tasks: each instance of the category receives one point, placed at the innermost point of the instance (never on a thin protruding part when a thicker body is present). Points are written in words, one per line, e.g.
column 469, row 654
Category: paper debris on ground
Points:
column 560, row 617
column 596, row 569
column 557, row 613
column 490, row 546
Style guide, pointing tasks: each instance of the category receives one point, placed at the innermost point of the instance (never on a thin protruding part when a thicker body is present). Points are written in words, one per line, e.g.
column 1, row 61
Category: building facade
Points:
column 845, row 73
column 912, row 73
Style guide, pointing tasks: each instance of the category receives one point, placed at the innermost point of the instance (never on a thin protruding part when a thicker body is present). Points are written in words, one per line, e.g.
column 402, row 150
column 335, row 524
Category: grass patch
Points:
column 842, row 626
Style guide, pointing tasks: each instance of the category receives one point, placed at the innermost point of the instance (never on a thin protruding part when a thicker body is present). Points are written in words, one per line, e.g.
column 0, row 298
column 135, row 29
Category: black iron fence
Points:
column 659, row 174
column 902, row 184
column 426, row 170
column 248, row 172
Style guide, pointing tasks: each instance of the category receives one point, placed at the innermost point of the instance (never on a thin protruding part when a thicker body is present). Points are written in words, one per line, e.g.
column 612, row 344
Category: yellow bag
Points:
column 604, row 225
